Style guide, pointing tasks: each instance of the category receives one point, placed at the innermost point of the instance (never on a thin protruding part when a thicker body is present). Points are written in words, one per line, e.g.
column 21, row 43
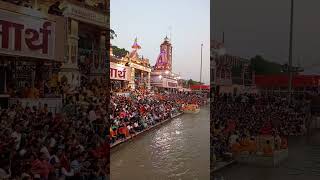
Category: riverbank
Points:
column 222, row 164
column 143, row 131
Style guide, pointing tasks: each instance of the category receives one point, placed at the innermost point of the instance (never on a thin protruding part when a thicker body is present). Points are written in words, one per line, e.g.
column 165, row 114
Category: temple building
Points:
column 30, row 50
column 86, row 58
column 130, row 72
column 162, row 76
column 229, row 74
column 47, row 42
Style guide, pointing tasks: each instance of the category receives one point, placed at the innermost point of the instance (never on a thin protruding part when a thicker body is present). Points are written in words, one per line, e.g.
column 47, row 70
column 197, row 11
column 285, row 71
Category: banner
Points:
column 119, row 72
column 24, row 35
column 85, row 15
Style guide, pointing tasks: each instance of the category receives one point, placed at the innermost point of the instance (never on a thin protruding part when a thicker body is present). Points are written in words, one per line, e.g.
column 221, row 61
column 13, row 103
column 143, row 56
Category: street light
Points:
column 201, row 64
column 290, row 51
column 167, row 72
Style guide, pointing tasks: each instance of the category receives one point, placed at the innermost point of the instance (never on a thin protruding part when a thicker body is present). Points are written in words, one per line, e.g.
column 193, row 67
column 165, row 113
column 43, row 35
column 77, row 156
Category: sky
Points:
column 262, row 27
column 151, row 20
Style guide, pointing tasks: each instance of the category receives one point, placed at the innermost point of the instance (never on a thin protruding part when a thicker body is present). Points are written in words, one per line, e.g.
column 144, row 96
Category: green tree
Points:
column 119, row 52
column 262, row 66
column 192, row 82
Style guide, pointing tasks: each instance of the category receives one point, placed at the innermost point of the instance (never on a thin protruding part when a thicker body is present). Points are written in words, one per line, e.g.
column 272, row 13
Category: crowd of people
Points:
column 38, row 144
column 143, row 109
column 74, row 144
column 238, row 122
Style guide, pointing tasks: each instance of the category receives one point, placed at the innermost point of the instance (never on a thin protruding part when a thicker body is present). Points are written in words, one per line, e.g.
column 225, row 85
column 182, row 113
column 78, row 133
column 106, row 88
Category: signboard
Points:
column 85, row 15
column 164, row 82
column 171, row 84
column 142, row 68
column 119, row 72
column 123, row 94
column 24, row 35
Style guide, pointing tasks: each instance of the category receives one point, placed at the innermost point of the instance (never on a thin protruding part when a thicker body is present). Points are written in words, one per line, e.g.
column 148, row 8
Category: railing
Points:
column 100, row 7
column 54, row 104
column 24, row 3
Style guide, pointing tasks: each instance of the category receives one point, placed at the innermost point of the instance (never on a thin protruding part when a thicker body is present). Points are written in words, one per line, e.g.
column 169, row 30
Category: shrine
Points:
column 162, row 76
column 131, row 71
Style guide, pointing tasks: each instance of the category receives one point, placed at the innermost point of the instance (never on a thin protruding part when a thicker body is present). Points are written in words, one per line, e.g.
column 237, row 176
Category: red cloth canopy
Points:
column 198, row 87
column 283, row 80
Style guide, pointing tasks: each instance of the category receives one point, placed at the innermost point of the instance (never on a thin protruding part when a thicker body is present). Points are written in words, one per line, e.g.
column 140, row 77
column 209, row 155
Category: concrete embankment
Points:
column 144, row 131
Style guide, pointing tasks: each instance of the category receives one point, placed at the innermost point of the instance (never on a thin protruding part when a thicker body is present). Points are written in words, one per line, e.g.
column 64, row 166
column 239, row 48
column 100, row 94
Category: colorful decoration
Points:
column 136, row 45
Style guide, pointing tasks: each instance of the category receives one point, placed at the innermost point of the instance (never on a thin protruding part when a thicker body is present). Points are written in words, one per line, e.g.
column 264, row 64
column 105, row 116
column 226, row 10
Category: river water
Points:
column 178, row 150
column 303, row 164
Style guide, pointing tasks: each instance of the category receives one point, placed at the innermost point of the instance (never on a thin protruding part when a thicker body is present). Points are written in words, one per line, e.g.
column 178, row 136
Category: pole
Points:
column 243, row 71
column 5, row 79
column 222, row 37
column 290, row 51
column 201, row 65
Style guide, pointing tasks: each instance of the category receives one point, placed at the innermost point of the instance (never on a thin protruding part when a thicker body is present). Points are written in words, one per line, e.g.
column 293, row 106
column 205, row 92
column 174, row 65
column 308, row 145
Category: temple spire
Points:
column 166, row 38
column 135, row 44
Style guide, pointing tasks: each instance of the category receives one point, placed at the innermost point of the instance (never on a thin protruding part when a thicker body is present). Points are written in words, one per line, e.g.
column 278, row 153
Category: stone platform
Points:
column 143, row 131
column 262, row 160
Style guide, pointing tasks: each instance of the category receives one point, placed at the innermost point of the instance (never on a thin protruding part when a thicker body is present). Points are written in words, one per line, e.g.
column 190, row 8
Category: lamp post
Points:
column 290, row 52
column 201, row 64
column 201, row 67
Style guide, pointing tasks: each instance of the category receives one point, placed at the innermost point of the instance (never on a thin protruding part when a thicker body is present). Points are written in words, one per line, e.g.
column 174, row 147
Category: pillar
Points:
column 132, row 78
column 73, row 53
column 148, row 80
column 5, row 80
column 73, row 43
column 35, row 4
column 103, row 52
column 70, row 66
column 141, row 78
column 33, row 77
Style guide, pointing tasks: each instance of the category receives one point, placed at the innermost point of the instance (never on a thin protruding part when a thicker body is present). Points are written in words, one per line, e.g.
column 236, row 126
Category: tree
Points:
column 112, row 34
column 192, row 82
column 119, row 52
column 262, row 66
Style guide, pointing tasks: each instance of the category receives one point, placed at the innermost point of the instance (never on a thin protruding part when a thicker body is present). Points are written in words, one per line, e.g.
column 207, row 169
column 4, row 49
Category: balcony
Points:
column 24, row 3
column 101, row 6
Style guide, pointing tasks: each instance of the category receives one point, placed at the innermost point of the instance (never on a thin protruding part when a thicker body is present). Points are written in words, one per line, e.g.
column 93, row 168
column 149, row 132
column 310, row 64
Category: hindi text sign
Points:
column 24, row 35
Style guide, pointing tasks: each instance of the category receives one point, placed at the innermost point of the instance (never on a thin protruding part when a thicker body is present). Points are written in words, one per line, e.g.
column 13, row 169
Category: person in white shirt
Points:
column 17, row 136
column 45, row 151
column 233, row 138
column 92, row 116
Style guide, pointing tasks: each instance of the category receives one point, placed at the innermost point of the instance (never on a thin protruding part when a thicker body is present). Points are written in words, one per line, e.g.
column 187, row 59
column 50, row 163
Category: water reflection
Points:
column 177, row 150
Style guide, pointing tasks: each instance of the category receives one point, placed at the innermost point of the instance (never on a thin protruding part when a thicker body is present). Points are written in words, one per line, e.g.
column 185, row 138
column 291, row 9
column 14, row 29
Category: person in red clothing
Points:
column 40, row 167
column 122, row 132
column 65, row 165
column 268, row 150
column 236, row 148
column 284, row 143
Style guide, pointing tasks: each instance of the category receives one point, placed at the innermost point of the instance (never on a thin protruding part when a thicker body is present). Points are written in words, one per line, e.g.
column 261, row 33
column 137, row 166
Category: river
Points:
column 177, row 150
column 303, row 164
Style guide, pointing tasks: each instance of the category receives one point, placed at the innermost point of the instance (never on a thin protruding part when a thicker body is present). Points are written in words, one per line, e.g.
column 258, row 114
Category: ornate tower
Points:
column 166, row 49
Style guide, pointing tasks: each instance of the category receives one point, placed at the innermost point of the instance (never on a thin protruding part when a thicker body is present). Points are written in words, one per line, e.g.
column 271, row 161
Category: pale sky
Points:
column 151, row 20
